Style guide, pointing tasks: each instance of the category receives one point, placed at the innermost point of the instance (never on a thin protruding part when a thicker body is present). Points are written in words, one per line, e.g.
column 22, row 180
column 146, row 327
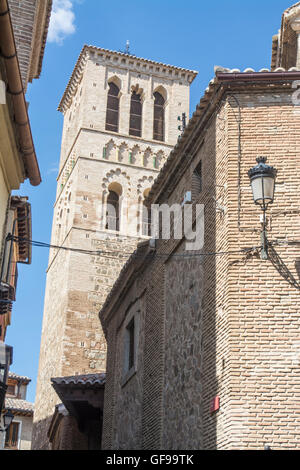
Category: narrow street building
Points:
column 23, row 32
column 18, row 435
column 203, row 342
column 120, row 124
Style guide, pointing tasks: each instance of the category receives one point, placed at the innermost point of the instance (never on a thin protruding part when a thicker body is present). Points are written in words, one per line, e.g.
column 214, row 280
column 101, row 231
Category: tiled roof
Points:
column 12, row 375
column 16, row 404
column 84, row 379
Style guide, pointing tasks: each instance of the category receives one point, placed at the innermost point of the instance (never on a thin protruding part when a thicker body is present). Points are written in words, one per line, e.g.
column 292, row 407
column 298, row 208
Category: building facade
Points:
column 24, row 23
column 18, row 435
column 24, row 27
column 120, row 123
column 203, row 345
column 77, row 421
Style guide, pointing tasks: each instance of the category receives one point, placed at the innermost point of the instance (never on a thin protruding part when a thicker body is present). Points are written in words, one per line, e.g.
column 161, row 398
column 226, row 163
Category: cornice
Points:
column 91, row 50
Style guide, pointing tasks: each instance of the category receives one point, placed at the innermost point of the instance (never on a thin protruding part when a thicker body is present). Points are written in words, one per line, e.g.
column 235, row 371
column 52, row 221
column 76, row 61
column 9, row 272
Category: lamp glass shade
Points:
column 2, row 373
column 262, row 178
column 263, row 190
column 5, row 361
column 7, row 419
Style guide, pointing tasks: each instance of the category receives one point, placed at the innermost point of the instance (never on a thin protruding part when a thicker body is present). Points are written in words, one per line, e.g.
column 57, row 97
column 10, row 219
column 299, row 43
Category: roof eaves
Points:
column 45, row 34
column 81, row 380
column 292, row 11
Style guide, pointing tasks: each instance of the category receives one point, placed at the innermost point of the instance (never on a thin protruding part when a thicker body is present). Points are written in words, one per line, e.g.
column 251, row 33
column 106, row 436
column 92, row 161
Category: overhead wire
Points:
column 127, row 254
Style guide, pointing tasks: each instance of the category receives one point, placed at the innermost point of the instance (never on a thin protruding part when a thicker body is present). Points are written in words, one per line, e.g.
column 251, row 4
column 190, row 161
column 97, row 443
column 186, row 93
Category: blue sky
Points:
column 194, row 34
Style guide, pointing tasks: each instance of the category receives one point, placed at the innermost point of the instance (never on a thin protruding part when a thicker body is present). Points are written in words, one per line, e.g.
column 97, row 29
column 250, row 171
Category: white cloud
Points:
column 62, row 22
column 52, row 170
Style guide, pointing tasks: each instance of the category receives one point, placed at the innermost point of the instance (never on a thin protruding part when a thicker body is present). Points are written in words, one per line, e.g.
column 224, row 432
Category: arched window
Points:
column 159, row 117
column 135, row 122
column 112, row 110
column 113, row 211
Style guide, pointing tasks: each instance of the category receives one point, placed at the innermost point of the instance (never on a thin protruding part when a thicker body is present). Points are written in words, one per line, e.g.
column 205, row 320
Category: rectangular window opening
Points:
column 131, row 344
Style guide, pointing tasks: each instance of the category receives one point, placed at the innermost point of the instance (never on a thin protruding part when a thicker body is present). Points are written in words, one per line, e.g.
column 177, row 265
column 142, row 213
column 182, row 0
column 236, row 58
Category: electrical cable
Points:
column 125, row 253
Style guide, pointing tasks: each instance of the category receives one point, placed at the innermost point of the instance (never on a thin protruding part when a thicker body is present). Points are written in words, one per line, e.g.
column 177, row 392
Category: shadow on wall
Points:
column 61, row 432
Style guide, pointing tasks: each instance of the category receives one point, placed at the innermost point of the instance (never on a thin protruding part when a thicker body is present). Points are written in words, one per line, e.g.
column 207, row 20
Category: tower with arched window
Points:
column 120, row 124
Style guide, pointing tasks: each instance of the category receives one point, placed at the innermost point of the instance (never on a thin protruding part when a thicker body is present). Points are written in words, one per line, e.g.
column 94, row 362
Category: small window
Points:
column 130, row 347
column 131, row 344
column 10, row 390
column 113, row 212
column 146, row 217
column 197, row 181
column 159, row 117
column 135, row 123
column 112, row 110
column 12, row 436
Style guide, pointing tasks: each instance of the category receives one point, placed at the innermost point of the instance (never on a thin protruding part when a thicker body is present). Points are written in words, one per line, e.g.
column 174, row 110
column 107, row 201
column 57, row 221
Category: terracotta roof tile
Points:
column 16, row 404
column 84, row 379
column 12, row 375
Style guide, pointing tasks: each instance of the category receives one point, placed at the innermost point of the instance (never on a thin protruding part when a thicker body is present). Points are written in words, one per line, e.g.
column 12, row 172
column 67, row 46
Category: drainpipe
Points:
column 15, row 89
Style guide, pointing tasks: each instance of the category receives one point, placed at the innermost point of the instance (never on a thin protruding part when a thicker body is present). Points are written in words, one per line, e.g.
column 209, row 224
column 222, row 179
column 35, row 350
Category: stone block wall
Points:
column 227, row 325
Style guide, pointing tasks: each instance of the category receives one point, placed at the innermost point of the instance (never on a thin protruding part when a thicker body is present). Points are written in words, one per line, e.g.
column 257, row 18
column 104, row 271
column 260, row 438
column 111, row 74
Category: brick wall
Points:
column 227, row 325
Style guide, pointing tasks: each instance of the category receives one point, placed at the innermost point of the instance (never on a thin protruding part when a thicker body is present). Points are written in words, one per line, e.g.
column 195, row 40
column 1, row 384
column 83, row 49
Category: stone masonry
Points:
column 78, row 283
column 212, row 326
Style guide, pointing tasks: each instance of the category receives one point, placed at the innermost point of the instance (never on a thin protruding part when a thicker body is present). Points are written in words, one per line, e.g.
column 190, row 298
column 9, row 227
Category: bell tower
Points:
column 120, row 123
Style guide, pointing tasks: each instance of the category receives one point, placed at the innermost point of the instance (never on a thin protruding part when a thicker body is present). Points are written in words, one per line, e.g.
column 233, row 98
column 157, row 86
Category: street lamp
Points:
column 262, row 178
column 7, row 420
column 5, row 361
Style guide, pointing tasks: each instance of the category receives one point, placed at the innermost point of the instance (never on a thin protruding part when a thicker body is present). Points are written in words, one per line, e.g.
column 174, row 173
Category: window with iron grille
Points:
column 10, row 390
column 112, row 110
column 159, row 117
column 135, row 122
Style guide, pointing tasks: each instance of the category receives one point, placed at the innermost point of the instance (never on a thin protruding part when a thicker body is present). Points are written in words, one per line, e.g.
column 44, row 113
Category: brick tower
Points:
column 120, row 123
